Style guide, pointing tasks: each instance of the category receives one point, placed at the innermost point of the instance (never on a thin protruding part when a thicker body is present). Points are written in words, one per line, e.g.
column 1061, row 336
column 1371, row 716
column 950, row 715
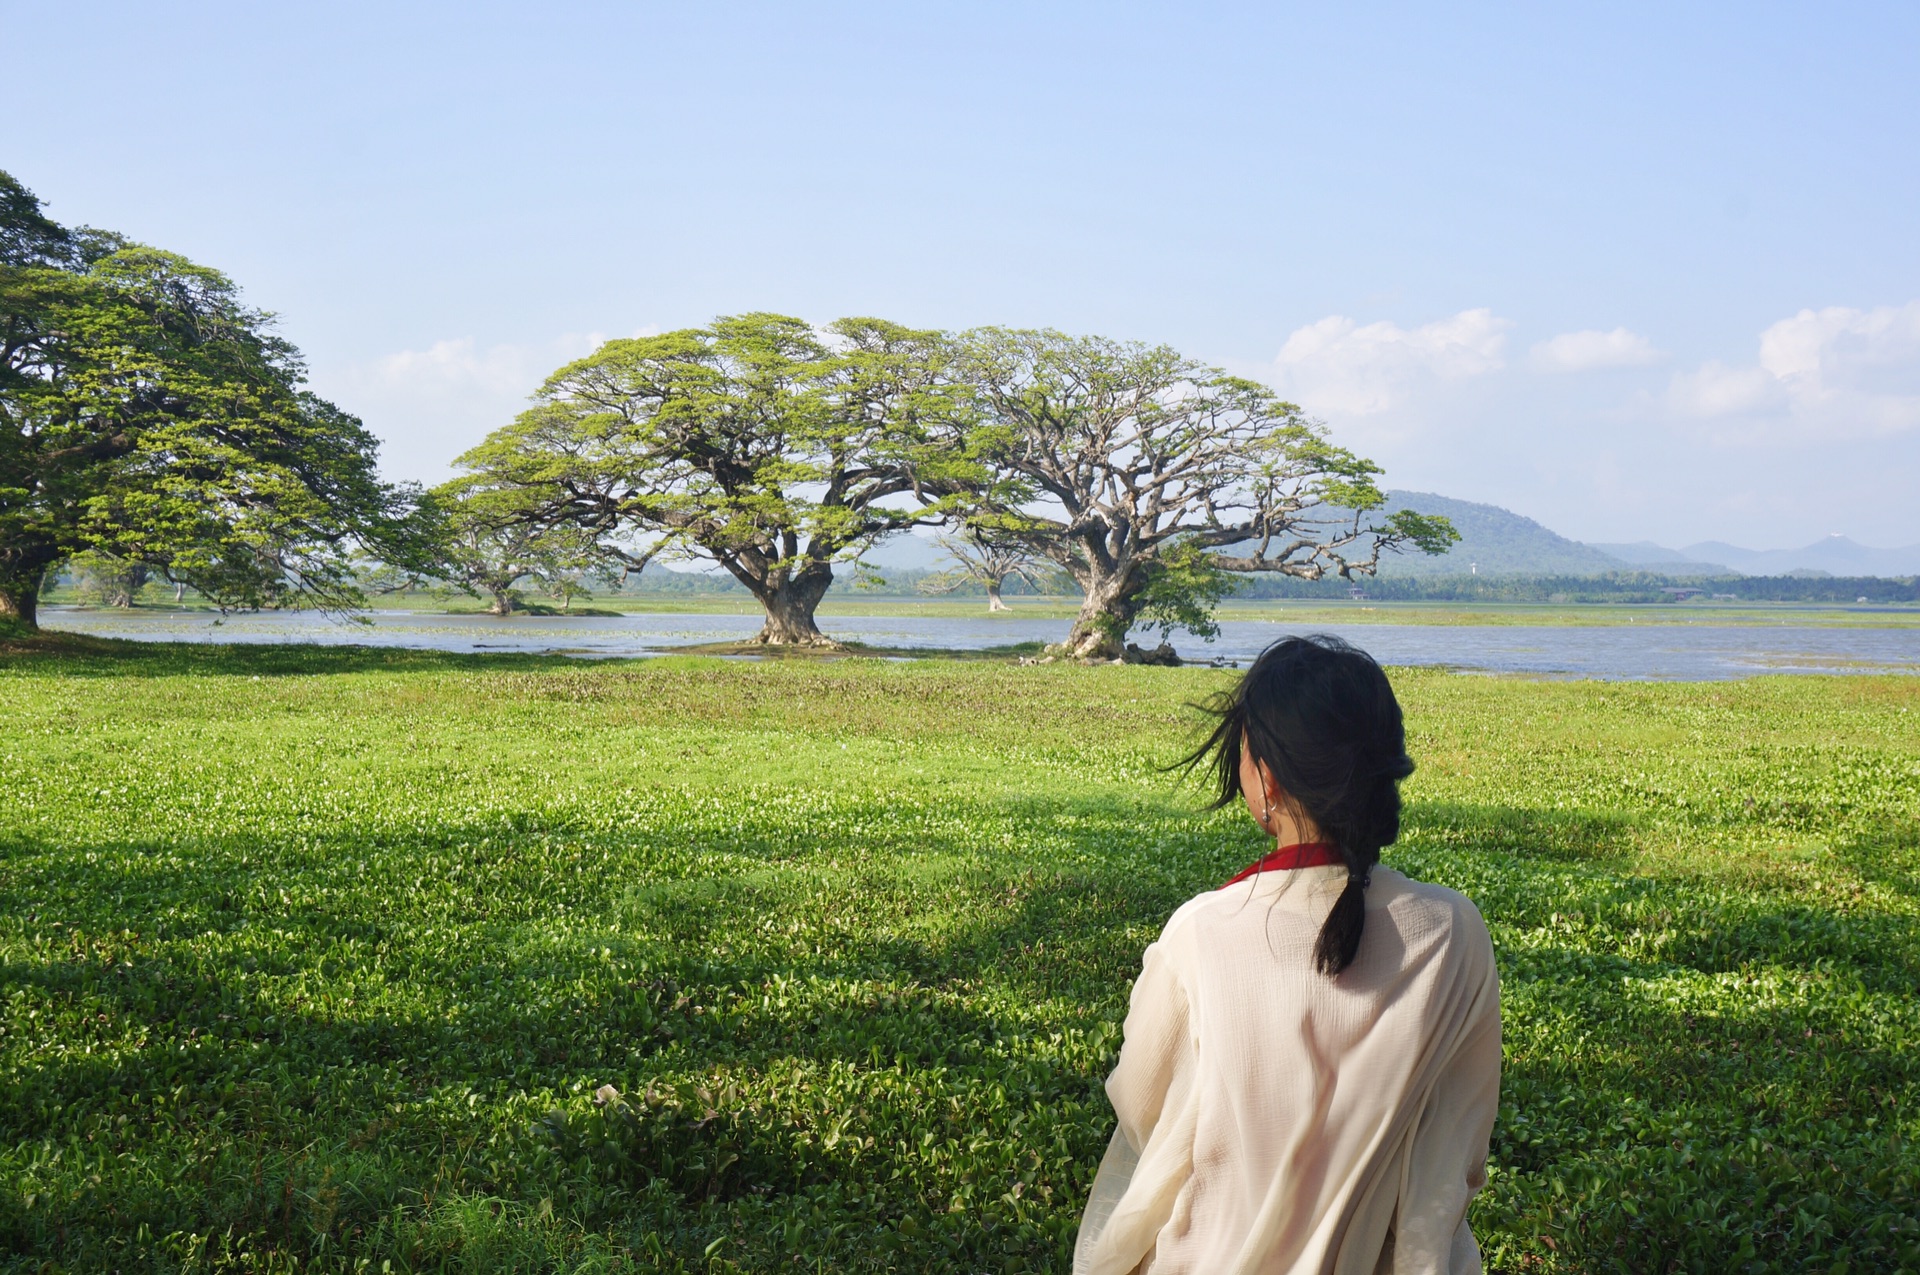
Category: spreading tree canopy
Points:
column 979, row 561
column 488, row 541
column 145, row 412
column 1149, row 477
column 758, row 443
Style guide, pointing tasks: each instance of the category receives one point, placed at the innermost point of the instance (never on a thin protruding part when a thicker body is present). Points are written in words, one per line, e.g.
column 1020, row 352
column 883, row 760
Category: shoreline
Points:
column 1290, row 611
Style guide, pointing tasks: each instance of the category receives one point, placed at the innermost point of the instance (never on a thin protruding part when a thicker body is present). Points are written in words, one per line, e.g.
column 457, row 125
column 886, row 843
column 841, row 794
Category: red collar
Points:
column 1311, row 854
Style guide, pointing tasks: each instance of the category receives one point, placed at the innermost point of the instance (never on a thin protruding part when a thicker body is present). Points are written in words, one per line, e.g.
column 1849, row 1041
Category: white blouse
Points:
column 1272, row 1119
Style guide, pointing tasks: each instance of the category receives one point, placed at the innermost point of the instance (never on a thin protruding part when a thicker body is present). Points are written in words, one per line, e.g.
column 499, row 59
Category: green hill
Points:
column 1497, row 541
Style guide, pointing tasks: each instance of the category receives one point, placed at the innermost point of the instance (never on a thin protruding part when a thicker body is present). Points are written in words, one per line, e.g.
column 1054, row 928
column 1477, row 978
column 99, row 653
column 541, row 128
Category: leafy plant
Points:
column 147, row 414
column 1183, row 588
column 316, row 959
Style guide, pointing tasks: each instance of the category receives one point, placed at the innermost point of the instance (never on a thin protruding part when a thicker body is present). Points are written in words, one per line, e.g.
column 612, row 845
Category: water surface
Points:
column 1689, row 652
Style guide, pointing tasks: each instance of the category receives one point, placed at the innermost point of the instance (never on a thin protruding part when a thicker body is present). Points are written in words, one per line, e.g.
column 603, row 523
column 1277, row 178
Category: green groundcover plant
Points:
column 342, row 960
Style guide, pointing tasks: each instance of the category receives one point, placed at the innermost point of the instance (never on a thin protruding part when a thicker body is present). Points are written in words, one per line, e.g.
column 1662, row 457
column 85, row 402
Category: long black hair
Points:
column 1321, row 716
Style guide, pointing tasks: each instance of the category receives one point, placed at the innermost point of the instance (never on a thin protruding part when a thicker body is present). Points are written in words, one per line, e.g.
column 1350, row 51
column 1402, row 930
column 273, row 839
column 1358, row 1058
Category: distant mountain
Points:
column 1836, row 555
column 1493, row 541
column 1496, row 541
column 1645, row 553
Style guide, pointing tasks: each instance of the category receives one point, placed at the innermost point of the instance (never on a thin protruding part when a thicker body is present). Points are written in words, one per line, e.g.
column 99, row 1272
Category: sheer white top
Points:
column 1275, row 1120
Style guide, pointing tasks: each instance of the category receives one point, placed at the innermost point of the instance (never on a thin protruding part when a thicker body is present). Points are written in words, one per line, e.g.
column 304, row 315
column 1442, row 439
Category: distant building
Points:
column 1360, row 594
column 1680, row 594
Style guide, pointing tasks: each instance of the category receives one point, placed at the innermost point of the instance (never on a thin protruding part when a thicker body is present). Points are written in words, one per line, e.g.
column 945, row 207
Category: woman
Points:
column 1312, row 1056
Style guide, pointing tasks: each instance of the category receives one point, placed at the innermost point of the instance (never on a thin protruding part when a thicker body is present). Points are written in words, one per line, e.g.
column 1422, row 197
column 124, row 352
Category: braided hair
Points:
column 1321, row 716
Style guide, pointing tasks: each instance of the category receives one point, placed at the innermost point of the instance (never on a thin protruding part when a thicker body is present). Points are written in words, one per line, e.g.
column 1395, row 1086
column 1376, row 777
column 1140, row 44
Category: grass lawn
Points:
column 315, row 959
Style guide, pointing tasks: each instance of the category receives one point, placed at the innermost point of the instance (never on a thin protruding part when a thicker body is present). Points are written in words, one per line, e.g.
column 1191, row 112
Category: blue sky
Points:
column 1636, row 271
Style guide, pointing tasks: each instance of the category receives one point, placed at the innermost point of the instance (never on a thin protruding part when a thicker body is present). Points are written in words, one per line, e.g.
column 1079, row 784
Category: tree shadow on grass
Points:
column 770, row 1049
column 1694, row 1067
column 1635, row 1132
column 242, row 1060
column 224, row 942
column 1558, row 835
column 1888, row 855
column 82, row 655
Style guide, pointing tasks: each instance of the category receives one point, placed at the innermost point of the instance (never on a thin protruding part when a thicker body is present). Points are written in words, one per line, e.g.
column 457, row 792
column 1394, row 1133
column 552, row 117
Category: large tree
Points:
column 758, row 443
column 979, row 561
column 1147, row 476
column 145, row 412
column 488, row 542
column 110, row 581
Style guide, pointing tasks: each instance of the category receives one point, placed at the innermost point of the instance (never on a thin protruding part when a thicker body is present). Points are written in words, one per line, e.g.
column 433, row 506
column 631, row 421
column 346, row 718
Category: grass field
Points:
column 315, row 959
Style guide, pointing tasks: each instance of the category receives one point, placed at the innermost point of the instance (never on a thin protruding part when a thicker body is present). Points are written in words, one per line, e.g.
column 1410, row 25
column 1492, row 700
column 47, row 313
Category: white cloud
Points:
column 1591, row 351
column 1837, row 372
column 1340, row 366
column 500, row 369
column 458, row 365
column 1719, row 390
column 429, row 405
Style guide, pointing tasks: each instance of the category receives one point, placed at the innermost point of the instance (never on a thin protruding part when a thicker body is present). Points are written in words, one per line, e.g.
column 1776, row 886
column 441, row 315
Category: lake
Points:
column 1679, row 652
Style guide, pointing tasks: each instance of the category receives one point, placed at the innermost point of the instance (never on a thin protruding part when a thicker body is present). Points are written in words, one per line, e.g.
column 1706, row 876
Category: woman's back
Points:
column 1274, row 1119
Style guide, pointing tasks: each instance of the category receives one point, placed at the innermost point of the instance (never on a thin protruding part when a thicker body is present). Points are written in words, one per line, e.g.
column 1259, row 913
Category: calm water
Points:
column 1685, row 652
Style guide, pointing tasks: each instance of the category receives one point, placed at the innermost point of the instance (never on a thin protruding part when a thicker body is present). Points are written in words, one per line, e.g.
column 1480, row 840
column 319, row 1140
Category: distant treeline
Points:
column 1616, row 587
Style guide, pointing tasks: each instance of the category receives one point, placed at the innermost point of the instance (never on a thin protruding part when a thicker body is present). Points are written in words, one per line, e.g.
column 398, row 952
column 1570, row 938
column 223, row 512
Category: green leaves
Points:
column 146, row 412
column 487, row 541
column 1120, row 462
column 1184, row 585
column 757, row 442
column 332, row 964
column 27, row 236
column 776, row 450
column 1429, row 533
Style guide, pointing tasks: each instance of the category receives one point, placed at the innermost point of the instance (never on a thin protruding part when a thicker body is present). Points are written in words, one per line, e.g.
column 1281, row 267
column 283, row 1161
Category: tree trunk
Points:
column 22, row 571
column 502, row 602
column 790, row 609
column 993, row 597
column 1107, row 612
column 130, row 584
